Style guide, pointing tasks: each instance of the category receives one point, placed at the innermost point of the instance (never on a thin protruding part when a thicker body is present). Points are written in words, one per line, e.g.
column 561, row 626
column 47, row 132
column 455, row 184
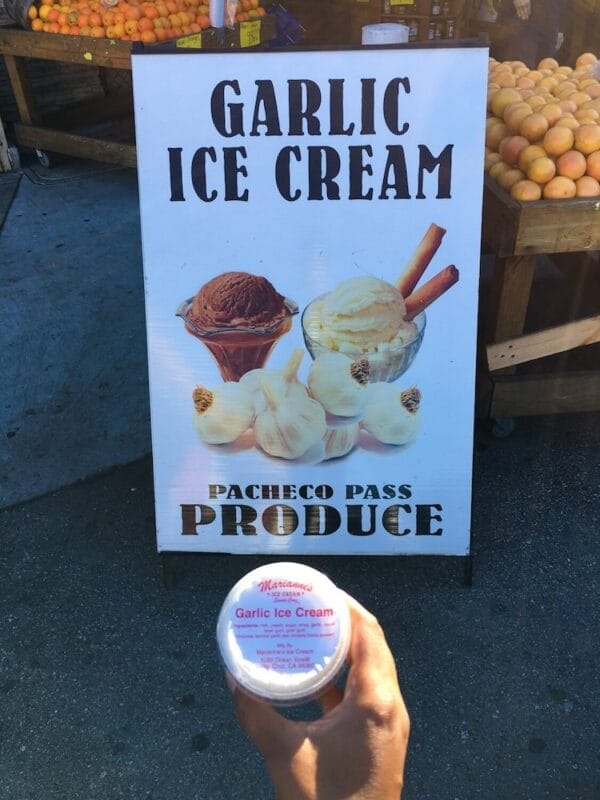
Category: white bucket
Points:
column 385, row 33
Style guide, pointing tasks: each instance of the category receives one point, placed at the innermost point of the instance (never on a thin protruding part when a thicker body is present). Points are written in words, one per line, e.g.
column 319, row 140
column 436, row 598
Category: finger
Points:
column 267, row 729
column 331, row 699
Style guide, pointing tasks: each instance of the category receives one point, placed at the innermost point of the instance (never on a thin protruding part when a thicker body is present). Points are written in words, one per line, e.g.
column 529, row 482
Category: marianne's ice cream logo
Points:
column 271, row 586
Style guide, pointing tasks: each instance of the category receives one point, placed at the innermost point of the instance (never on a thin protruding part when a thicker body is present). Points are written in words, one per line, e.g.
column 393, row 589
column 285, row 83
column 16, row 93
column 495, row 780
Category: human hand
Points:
column 356, row 751
column 523, row 8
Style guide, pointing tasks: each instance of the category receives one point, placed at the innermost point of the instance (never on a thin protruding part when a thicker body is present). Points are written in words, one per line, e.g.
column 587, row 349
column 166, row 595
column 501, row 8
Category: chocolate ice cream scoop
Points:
column 239, row 317
column 237, row 300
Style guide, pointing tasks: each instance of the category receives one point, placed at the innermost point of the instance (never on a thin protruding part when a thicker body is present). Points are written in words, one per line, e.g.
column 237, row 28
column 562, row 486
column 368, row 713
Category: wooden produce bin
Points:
column 517, row 233
column 61, row 131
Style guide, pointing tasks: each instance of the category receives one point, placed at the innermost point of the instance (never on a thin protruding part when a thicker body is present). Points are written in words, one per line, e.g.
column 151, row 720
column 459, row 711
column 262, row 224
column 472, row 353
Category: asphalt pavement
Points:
column 110, row 683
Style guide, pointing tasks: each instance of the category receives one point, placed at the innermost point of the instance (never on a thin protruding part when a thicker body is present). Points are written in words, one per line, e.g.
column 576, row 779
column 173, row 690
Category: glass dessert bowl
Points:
column 239, row 349
column 388, row 360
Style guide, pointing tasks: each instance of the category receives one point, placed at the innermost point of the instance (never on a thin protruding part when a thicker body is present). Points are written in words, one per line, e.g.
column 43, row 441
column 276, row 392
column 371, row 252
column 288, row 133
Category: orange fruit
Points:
column 43, row 11
column 98, row 32
column 558, row 140
column 148, row 36
column 493, row 137
column 130, row 26
column 145, row 24
column 541, row 170
column 587, row 187
column 559, row 188
column 571, row 164
column 526, row 191
column 37, row 24
column 32, row 12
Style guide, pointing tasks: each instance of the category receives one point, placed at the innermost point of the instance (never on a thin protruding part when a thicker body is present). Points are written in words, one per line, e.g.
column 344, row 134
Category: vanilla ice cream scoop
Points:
column 360, row 314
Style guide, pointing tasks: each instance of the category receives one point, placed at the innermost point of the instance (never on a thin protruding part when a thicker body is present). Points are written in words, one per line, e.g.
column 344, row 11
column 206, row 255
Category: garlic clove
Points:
column 340, row 440
column 289, row 425
column 284, row 382
column 339, row 383
column 391, row 415
column 222, row 414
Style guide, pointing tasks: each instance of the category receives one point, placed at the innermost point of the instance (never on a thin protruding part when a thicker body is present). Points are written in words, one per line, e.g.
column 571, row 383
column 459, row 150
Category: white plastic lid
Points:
column 284, row 632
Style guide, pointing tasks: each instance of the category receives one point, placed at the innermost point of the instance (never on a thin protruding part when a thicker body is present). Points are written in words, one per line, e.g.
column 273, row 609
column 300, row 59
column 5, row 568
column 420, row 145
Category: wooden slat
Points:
column 510, row 290
column 73, row 49
column 5, row 165
column 544, row 226
column 74, row 145
column 559, row 393
column 21, row 86
column 91, row 112
column 544, row 343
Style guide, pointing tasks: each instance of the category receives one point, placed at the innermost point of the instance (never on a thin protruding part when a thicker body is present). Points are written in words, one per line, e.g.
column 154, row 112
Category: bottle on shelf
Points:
column 436, row 8
column 413, row 30
column 431, row 31
column 450, row 29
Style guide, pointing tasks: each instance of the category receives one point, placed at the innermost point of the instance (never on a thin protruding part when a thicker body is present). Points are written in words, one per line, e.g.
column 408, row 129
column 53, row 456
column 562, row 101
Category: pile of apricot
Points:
column 543, row 128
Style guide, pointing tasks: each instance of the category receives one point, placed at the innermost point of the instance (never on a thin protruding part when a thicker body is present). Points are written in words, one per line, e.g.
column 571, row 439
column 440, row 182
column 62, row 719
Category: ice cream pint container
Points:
column 283, row 633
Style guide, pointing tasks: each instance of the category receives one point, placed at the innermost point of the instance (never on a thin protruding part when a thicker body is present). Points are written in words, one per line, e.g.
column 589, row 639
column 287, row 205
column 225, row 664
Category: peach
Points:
column 571, row 164
column 558, row 140
column 593, row 165
column 526, row 191
column 559, row 188
column 529, row 154
column 541, row 170
column 587, row 186
column 511, row 147
column 587, row 139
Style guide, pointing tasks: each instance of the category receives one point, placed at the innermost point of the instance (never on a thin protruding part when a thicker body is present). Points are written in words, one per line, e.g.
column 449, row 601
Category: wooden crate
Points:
column 517, row 233
column 512, row 228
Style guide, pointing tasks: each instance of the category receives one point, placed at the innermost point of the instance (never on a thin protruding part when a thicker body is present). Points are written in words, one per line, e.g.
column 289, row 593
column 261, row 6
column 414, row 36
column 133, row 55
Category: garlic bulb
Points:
column 283, row 382
column 339, row 383
column 340, row 440
column 289, row 425
column 392, row 416
column 222, row 414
